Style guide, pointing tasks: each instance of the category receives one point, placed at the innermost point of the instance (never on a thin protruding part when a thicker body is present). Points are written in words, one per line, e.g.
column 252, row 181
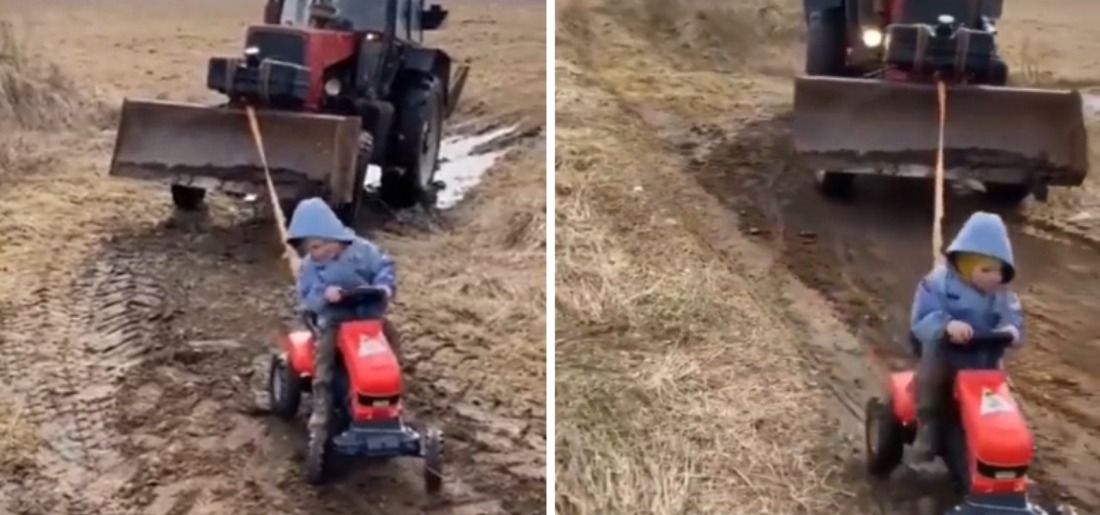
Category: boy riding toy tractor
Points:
column 983, row 438
column 348, row 359
column 365, row 415
column 957, row 405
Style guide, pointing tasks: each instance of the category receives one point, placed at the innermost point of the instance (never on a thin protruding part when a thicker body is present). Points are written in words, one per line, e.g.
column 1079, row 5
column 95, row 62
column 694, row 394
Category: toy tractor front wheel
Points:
column 283, row 388
column 319, row 445
column 884, row 438
column 419, row 132
column 433, row 460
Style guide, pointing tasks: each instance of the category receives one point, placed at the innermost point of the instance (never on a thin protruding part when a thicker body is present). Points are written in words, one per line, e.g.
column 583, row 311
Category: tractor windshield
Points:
column 364, row 15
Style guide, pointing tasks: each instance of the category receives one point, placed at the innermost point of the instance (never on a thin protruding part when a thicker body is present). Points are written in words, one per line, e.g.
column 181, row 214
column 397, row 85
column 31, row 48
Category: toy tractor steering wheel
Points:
column 362, row 294
column 348, row 298
column 981, row 342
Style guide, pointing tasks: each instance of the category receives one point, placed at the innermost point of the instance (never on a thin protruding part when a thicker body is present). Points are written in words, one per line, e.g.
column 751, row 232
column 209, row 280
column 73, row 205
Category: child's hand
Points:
column 1011, row 330
column 959, row 331
column 333, row 294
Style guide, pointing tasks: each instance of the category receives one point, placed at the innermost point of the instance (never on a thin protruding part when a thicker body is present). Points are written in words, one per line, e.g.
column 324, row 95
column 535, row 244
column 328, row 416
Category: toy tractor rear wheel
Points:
column 283, row 389
column 187, row 198
column 884, row 438
column 433, row 460
column 419, row 132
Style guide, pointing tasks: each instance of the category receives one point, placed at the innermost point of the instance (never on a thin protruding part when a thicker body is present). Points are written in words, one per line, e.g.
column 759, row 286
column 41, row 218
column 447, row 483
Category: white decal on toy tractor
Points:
column 370, row 346
column 994, row 403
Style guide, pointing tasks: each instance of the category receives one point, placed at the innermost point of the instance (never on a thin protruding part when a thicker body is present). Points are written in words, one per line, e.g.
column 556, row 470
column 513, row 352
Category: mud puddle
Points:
column 866, row 256
column 463, row 161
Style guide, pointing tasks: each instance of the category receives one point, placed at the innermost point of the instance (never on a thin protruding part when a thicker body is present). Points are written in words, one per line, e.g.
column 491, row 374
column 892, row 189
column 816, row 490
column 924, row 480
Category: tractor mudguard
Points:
column 437, row 63
column 430, row 61
column 809, row 6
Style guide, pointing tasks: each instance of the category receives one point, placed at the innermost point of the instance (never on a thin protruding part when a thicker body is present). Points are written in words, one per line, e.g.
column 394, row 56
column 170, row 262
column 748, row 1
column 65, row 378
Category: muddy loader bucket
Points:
column 1000, row 134
column 212, row 147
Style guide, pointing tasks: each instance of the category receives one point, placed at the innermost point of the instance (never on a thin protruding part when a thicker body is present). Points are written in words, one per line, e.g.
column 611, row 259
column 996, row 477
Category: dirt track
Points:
column 714, row 96
column 127, row 336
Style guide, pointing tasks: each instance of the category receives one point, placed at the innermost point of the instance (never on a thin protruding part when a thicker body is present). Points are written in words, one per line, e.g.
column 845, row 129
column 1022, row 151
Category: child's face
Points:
column 322, row 250
column 987, row 277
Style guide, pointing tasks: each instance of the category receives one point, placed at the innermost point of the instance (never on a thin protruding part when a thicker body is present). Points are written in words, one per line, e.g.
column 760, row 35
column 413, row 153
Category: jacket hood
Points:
column 985, row 233
column 313, row 218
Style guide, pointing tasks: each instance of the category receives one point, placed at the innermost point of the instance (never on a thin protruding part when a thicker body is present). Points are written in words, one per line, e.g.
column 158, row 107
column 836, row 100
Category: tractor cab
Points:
column 406, row 20
column 972, row 14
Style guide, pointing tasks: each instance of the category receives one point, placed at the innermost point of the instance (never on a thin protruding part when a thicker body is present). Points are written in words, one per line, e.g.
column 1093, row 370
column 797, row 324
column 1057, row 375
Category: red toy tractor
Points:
column 366, row 416
column 985, row 444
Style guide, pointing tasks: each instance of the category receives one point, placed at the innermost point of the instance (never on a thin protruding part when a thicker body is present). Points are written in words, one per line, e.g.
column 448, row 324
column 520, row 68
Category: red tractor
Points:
column 337, row 85
column 985, row 444
column 366, row 415
column 867, row 103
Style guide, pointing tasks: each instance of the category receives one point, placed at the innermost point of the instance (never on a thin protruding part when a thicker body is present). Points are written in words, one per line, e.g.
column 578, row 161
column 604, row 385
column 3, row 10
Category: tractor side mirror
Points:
column 273, row 10
column 433, row 17
column 992, row 9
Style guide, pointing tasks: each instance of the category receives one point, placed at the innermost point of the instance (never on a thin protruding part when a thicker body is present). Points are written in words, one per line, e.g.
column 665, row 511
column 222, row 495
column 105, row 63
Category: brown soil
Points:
column 694, row 96
column 128, row 334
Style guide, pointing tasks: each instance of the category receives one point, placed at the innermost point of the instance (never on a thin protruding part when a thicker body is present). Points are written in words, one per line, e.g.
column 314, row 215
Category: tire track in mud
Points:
column 64, row 355
column 865, row 258
column 192, row 442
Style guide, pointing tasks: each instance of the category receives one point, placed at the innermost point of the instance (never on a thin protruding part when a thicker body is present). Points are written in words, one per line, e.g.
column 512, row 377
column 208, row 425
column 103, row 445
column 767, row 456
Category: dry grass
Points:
column 723, row 36
column 678, row 390
column 17, row 440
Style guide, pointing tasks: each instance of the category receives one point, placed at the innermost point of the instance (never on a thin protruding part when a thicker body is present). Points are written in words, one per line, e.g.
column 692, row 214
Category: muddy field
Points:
column 127, row 334
column 694, row 97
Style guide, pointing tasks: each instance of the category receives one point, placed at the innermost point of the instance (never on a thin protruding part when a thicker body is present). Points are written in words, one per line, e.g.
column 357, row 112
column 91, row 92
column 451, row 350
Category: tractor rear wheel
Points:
column 187, row 198
column 349, row 212
column 826, row 43
column 419, row 133
column 836, row 185
column 1007, row 195
column 884, row 438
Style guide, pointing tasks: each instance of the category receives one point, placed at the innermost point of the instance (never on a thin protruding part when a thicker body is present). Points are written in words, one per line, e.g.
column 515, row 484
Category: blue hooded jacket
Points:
column 943, row 295
column 360, row 264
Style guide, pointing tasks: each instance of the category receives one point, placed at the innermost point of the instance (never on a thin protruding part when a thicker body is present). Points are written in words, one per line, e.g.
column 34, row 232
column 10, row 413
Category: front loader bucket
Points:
column 998, row 134
column 213, row 147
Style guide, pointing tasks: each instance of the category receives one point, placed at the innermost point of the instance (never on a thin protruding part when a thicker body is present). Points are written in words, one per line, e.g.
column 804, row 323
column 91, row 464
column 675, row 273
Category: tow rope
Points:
column 937, row 211
column 291, row 254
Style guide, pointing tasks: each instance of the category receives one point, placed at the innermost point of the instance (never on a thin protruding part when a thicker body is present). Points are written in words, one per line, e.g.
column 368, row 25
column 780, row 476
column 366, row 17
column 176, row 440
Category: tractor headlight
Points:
column 872, row 37
column 333, row 87
column 252, row 55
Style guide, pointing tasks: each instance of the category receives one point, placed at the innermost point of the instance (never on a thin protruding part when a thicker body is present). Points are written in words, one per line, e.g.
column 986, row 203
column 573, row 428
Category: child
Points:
column 968, row 296
column 337, row 260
